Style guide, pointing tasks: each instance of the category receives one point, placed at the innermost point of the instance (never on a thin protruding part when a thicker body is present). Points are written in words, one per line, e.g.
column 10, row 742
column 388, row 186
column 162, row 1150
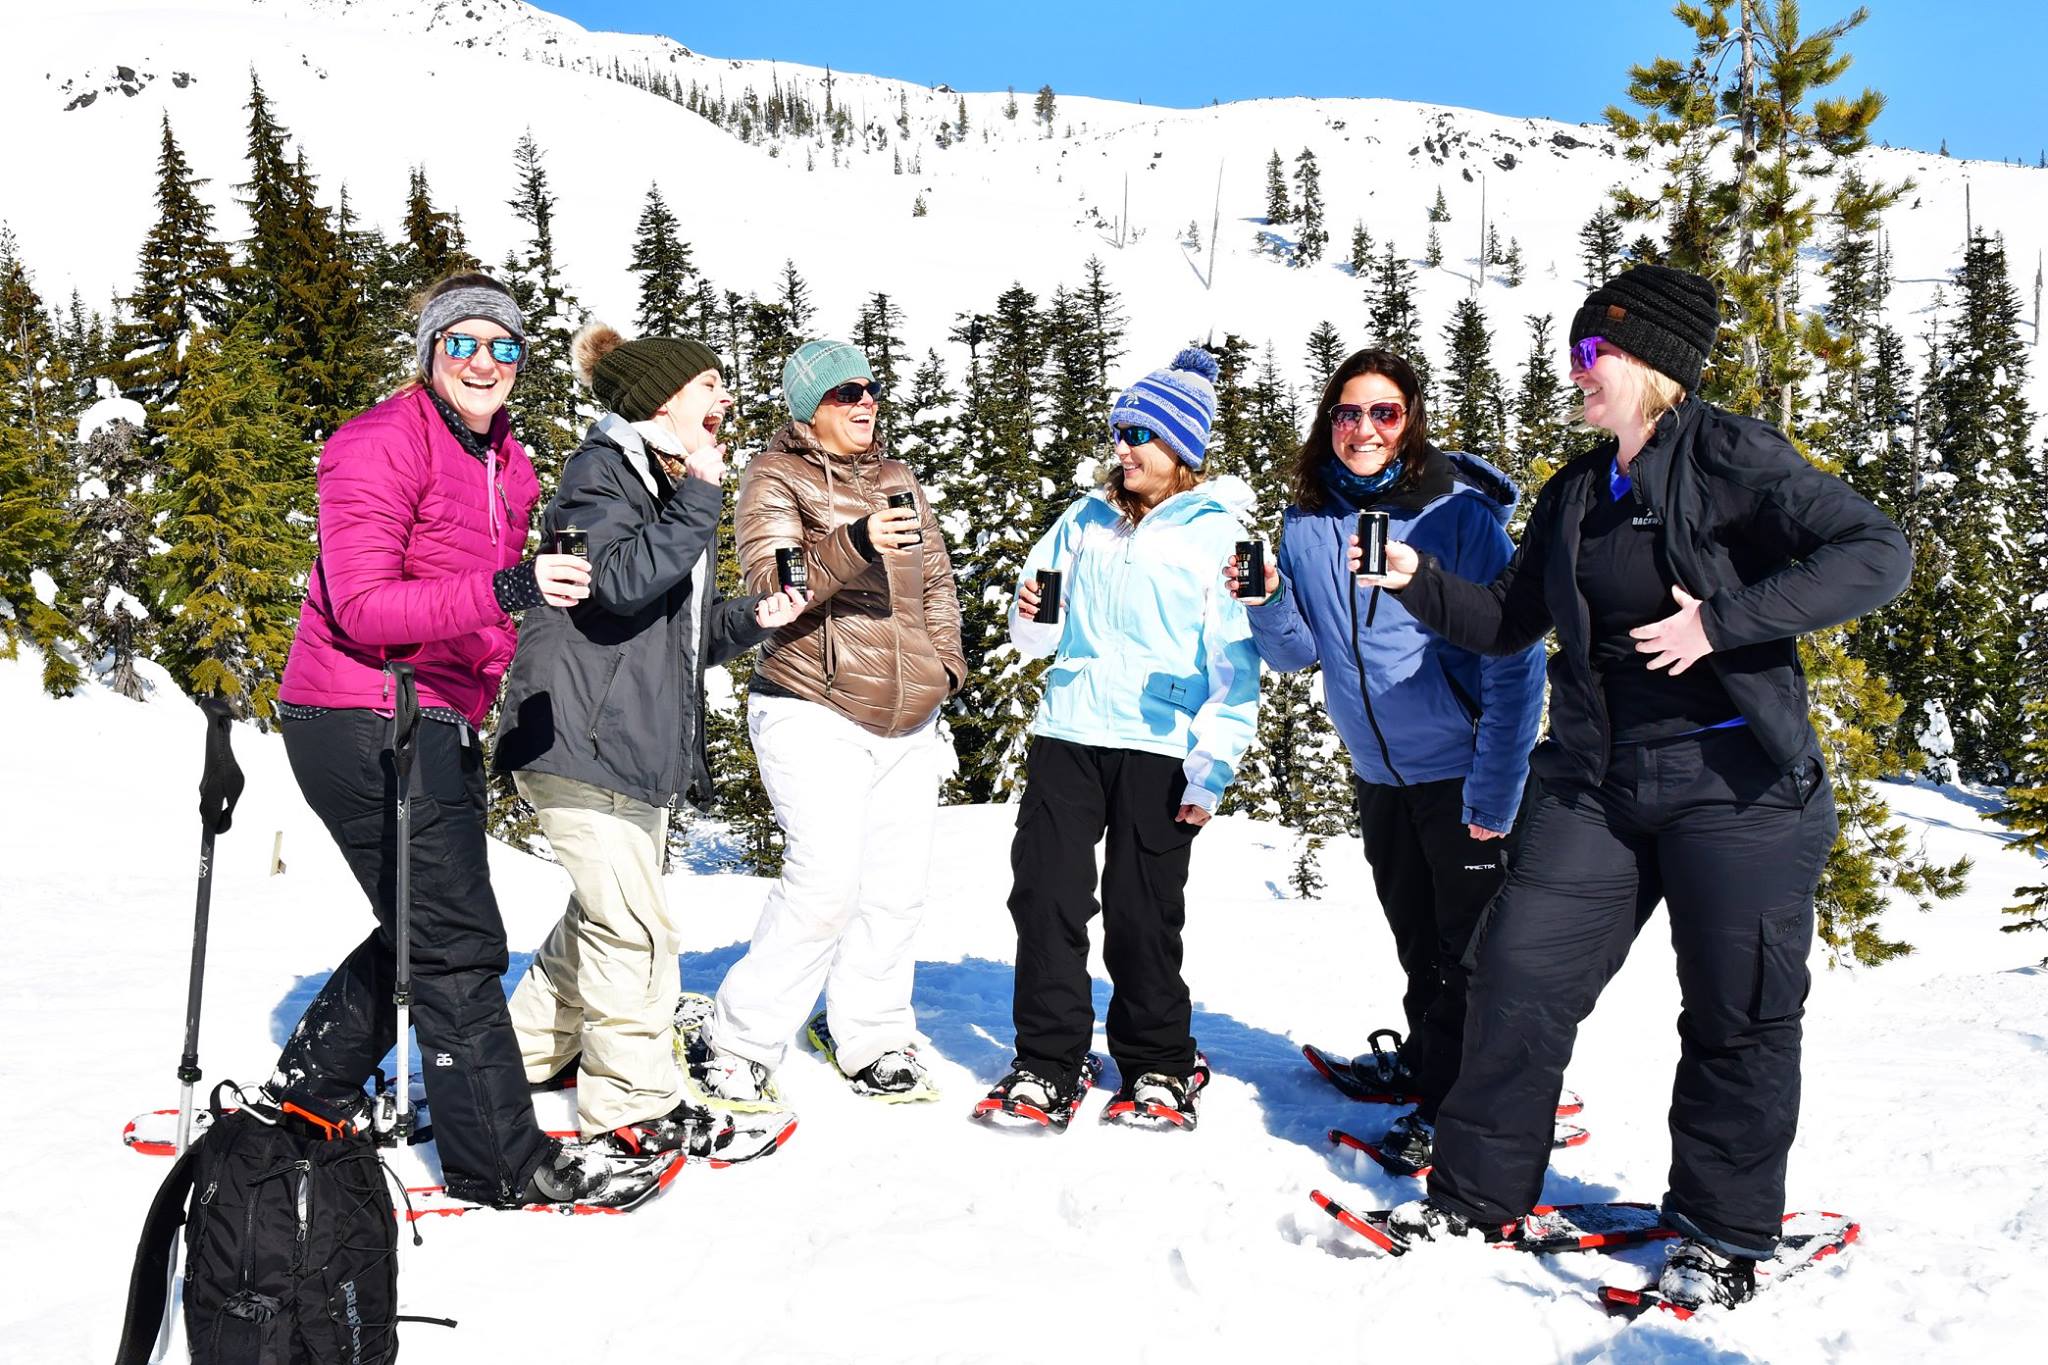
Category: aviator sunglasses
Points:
column 1585, row 351
column 851, row 391
column 504, row 350
column 1385, row 413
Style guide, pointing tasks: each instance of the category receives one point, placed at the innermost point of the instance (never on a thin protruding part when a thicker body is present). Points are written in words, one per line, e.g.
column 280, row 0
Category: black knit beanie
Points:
column 1663, row 317
column 634, row 378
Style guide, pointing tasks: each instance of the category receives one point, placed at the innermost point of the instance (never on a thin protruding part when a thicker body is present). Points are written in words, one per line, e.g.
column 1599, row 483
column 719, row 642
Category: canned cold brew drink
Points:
column 1048, row 597
column 1251, row 569
column 789, row 569
column 1372, row 542
column 907, row 499
column 573, row 540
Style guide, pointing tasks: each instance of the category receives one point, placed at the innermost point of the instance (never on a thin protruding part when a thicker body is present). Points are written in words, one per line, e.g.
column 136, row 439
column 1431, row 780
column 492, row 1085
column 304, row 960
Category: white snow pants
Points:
column 603, row 986
column 857, row 811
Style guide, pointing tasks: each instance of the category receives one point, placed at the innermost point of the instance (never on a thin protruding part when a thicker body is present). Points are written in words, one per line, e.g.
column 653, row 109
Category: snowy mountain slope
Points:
column 908, row 1233
column 372, row 87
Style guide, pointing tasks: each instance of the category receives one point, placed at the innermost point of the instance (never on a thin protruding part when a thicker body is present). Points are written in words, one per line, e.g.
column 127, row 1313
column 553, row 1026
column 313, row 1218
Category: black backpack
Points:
column 291, row 1248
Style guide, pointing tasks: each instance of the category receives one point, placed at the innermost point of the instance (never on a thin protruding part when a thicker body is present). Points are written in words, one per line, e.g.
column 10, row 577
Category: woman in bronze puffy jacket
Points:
column 843, row 715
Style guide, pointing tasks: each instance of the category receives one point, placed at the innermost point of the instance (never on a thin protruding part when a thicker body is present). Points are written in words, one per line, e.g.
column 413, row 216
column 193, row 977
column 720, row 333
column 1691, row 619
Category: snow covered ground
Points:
column 909, row 1233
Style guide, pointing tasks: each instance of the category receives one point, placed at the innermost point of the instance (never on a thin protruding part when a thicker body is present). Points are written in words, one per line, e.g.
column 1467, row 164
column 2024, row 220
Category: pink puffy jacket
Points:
column 412, row 528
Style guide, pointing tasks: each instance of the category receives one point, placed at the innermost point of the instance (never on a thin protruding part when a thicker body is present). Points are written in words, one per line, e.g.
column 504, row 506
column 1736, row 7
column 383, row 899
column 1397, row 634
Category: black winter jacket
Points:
column 611, row 692
column 1770, row 545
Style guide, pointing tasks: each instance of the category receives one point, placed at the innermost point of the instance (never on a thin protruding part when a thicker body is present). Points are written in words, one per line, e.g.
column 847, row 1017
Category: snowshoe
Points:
column 1696, row 1277
column 715, row 1077
column 1404, row 1153
column 895, row 1077
column 1548, row 1228
column 717, row 1137
column 1156, row 1100
column 572, row 1178
column 1036, row 1100
column 1371, row 1087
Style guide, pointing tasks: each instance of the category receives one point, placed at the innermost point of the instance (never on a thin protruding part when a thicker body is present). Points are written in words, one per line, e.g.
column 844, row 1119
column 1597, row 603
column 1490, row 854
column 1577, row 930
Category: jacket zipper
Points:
column 305, row 1211
column 605, row 695
column 1365, row 692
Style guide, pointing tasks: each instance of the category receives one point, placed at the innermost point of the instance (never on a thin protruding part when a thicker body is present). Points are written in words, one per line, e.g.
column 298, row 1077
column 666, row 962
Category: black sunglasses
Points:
column 852, row 391
column 1136, row 436
column 504, row 350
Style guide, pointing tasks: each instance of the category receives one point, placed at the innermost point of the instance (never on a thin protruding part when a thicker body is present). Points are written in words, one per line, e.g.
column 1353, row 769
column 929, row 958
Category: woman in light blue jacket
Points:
column 1151, row 700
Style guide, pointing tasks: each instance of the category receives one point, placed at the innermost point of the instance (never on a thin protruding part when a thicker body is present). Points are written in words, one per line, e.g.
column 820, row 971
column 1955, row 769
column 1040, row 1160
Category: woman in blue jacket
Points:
column 1439, row 736
column 1150, row 702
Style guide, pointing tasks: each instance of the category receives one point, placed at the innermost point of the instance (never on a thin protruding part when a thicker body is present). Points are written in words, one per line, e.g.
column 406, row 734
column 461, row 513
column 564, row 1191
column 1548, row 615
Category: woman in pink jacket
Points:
column 424, row 507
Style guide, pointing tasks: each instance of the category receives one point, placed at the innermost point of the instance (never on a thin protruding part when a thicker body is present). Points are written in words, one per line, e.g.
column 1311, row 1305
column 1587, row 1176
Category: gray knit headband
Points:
column 471, row 301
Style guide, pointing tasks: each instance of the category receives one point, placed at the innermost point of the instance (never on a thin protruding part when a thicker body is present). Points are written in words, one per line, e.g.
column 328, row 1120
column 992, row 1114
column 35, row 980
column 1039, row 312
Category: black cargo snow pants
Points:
column 1734, row 848
column 477, row 1098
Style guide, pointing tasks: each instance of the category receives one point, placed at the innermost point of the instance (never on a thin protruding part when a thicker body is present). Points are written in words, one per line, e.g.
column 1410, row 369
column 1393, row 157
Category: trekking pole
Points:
column 405, row 721
column 220, row 786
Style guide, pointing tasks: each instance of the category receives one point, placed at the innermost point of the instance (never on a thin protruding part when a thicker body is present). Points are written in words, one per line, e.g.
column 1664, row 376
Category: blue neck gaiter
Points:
column 1358, row 489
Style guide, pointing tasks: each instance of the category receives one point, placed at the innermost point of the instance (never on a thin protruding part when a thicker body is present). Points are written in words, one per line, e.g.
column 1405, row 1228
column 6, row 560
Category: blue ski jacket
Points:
column 1150, row 652
column 1410, row 706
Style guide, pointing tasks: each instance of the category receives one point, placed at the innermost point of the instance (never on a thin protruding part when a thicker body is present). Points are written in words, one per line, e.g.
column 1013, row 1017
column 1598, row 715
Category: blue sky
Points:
column 1972, row 71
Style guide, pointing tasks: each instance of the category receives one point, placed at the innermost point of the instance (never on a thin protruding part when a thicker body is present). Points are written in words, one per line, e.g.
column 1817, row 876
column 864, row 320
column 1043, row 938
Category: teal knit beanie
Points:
column 816, row 369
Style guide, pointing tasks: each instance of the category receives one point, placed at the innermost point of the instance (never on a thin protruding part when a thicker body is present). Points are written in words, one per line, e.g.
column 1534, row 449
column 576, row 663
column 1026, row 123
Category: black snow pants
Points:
column 1734, row 848
column 1433, row 880
column 1073, row 794
column 477, row 1098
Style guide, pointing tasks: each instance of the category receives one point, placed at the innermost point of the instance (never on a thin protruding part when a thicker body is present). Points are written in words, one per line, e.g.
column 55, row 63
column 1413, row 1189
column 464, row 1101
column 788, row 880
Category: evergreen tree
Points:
column 1744, row 218
column 926, row 431
column 2026, row 811
column 547, row 412
column 1546, row 435
column 878, row 332
column 110, row 560
column 794, row 298
column 1600, row 247
column 1394, row 322
column 1982, row 430
column 960, row 123
column 33, row 481
column 1325, row 353
column 180, row 287
column 1473, row 416
column 1043, row 108
column 767, row 338
column 1010, row 103
column 1433, row 250
column 434, row 246
column 1314, row 236
column 1439, row 212
column 1106, row 320
column 668, row 275
column 298, row 285
column 1279, row 209
column 1015, row 502
column 1361, row 250
column 233, row 571
column 1231, row 445
column 87, row 351
column 1517, row 272
column 1077, row 406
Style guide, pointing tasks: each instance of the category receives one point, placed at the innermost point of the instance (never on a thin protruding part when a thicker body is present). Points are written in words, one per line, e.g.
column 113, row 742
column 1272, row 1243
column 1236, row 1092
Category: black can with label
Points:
column 573, row 540
column 790, row 571
column 1048, row 597
column 1251, row 569
column 1372, row 542
column 907, row 499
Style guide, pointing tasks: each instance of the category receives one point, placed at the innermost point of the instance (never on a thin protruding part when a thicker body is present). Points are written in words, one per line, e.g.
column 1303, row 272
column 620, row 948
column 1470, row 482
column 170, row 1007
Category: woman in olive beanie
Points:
column 602, row 730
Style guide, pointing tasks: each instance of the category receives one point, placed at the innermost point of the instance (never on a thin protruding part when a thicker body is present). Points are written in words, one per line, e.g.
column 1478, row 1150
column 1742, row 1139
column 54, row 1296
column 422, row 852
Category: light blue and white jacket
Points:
column 1150, row 652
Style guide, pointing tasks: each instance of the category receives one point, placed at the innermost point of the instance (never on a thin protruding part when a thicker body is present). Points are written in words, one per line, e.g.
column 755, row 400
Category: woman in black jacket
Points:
column 1678, row 564
column 602, row 730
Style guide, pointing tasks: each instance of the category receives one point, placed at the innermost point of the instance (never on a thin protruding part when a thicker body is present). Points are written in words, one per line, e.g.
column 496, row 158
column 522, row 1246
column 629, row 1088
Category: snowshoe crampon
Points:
column 1155, row 1100
column 919, row 1088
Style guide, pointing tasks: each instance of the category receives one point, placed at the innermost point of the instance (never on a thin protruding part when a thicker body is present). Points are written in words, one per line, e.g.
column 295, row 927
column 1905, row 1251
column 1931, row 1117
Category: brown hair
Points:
column 1309, row 493
column 1127, row 504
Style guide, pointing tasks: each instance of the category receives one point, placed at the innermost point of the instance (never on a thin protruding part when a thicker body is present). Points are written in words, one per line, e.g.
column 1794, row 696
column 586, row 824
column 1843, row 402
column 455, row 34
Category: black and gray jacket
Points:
column 611, row 692
column 1771, row 546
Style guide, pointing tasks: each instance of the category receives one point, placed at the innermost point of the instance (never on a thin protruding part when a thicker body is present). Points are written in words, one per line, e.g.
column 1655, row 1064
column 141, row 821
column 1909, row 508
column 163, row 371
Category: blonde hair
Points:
column 1656, row 393
column 1127, row 504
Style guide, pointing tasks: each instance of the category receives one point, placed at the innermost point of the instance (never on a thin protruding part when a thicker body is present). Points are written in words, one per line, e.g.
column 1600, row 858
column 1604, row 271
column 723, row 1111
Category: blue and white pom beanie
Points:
column 1178, row 403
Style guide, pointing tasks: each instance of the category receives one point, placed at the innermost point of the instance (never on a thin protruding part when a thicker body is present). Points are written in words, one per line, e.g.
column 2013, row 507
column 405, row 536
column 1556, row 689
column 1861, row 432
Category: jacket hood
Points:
column 1227, row 494
column 1498, row 490
column 796, row 438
